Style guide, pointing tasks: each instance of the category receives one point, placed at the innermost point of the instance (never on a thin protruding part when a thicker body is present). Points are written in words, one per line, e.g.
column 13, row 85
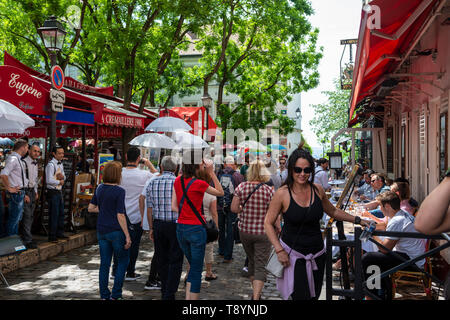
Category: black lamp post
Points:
column 207, row 102
column 298, row 113
column 53, row 34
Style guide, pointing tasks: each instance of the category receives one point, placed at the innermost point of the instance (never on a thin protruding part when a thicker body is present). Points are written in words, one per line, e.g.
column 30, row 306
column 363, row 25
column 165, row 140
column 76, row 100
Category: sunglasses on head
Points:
column 300, row 170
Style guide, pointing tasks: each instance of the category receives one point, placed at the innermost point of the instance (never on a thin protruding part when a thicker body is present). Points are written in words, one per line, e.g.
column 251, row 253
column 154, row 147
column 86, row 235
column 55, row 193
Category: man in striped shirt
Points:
column 162, row 224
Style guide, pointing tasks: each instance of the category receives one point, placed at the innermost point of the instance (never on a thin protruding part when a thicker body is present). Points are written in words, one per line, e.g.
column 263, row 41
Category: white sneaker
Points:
column 245, row 269
column 132, row 277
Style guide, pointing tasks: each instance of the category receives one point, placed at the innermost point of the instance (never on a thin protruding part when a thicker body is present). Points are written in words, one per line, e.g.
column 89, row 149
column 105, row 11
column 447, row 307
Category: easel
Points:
column 341, row 243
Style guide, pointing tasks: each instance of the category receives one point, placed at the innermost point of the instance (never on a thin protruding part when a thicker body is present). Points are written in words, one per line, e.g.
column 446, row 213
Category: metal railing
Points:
column 360, row 286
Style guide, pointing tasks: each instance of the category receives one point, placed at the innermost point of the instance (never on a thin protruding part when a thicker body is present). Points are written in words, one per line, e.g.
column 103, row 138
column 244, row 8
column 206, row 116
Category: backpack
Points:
column 226, row 180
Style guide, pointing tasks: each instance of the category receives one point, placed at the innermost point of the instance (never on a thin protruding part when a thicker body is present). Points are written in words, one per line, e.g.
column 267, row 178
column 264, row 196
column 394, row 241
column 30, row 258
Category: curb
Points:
column 46, row 251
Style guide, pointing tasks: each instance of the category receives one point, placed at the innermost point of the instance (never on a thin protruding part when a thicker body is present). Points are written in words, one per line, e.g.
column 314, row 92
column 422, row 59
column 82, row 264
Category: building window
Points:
column 190, row 104
column 390, row 149
column 443, row 145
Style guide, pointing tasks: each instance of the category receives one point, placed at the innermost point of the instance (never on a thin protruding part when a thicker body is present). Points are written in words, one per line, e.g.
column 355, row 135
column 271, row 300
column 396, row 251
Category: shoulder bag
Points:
column 212, row 233
column 236, row 237
column 273, row 265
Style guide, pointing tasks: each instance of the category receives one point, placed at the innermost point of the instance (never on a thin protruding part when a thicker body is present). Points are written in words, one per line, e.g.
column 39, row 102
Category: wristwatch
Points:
column 357, row 220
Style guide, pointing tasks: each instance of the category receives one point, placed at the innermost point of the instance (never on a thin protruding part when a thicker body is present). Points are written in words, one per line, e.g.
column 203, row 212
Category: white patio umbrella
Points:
column 186, row 140
column 168, row 124
column 252, row 145
column 12, row 119
column 153, row 140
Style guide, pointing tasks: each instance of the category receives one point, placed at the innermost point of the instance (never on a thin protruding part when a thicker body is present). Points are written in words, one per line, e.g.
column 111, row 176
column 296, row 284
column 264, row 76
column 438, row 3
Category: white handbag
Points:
column 274, row 266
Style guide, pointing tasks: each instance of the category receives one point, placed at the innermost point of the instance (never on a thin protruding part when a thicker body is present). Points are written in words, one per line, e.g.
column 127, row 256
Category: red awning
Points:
column 29, row 90
column 381, row 50
column 109, row 117
column 192, row 117
column 68, row 81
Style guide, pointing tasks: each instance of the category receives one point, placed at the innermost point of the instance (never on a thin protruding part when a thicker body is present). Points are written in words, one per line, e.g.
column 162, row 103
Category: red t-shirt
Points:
column 195, row 193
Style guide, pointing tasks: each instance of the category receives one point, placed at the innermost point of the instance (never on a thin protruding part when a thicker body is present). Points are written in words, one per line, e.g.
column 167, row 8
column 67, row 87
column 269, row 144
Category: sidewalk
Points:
column 74, row 275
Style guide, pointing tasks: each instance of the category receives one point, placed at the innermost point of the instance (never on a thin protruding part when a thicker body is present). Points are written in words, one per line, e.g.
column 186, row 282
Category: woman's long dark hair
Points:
column 295, row 155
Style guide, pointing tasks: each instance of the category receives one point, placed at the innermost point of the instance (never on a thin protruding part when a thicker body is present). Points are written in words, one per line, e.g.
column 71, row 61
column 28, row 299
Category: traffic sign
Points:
column 57, row 77
column 57, row 107
column 57, row 96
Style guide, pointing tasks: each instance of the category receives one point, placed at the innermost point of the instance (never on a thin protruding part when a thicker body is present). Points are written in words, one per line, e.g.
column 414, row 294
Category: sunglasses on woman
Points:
column 306, row 170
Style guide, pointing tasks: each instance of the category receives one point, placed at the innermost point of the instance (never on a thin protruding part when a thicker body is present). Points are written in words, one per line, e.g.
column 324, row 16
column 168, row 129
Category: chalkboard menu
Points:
column 69, row 164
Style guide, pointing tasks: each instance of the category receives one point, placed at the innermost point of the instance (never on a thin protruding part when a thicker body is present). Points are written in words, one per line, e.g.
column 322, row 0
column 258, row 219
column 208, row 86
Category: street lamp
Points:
column 207, row 103
column 298, row 113
column 53, row 34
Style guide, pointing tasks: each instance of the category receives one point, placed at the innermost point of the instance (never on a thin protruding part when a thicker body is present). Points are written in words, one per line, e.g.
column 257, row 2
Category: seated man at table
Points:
column 379, row 186
column 407, row 248
column 365, row 189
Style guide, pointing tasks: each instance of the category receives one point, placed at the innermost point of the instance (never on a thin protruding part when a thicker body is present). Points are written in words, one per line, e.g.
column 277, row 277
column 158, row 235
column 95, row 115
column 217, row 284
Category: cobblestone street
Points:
column 74, row 275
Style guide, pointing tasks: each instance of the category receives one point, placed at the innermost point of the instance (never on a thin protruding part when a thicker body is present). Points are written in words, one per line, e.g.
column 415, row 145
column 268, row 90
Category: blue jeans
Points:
column 112, row 244
column 55, row 214
column 135, row 231
column 15, row 212
column 226, row 236
column 192, row 240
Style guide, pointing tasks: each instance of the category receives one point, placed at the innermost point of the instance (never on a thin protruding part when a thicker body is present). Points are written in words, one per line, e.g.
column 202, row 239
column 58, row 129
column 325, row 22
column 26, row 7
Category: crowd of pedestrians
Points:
column 272, row 204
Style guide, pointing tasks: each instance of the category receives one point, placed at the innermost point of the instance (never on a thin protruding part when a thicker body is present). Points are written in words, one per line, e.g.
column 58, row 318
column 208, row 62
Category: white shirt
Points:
column 50, row 171
column 133, row 181
column 32, row 167
column 321, row 177
column 15, row 170
column 207, row 199
column 404, row 222
column 283, row 174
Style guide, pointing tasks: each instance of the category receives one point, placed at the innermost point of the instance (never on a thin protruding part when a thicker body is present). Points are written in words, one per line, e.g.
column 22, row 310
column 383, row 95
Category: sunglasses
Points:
column 306, row 170
column 373, row 181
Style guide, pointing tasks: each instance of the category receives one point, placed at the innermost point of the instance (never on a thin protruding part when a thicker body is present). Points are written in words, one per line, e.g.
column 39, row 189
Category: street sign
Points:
column 349, row 41
column 58, row 98
column 57, row 107
column 57, row 77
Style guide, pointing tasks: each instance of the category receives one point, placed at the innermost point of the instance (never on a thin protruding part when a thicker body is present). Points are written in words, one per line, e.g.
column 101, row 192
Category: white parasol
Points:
column 12, row 119
column 153, row 140
column 186, row 140
column 168, row 124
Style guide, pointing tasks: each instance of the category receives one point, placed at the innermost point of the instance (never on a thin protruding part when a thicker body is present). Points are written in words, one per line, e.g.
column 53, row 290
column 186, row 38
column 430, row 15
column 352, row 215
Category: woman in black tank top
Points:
column 300, row 249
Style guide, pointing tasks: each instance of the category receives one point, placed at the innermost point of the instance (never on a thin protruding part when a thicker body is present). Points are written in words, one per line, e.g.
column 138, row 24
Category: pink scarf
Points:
column 286, row 284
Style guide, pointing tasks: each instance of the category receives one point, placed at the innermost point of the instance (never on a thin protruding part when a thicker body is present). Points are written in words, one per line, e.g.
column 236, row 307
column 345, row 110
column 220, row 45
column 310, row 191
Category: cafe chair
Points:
column 415, row 278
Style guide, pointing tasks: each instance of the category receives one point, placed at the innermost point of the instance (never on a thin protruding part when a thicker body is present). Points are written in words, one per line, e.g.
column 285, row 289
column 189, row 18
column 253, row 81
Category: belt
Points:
column 28, row 189
column 54, row 190
column 22, row 189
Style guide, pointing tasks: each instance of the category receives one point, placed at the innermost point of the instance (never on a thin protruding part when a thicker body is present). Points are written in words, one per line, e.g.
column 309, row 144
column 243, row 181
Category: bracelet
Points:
column 278, row 251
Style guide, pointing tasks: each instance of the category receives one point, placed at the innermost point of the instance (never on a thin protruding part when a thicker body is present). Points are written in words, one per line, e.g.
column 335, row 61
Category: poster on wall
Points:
column 103, row 159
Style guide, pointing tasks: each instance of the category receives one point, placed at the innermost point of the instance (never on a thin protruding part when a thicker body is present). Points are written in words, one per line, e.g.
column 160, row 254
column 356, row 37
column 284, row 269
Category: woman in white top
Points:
column 210, row 210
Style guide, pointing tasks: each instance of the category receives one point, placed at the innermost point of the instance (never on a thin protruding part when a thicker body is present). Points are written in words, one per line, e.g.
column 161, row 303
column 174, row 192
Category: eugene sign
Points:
column 122, row 120
column 23, row 91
